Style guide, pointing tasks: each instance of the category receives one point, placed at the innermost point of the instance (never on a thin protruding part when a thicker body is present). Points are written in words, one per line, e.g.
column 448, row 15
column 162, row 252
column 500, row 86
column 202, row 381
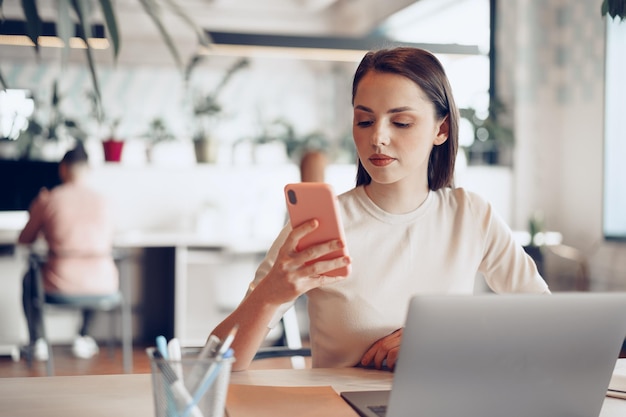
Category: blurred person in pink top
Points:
column 78, row 228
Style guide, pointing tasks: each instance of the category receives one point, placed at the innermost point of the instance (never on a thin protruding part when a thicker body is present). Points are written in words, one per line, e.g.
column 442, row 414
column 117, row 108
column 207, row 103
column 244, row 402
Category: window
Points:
column 614, row 219
column 455, row 23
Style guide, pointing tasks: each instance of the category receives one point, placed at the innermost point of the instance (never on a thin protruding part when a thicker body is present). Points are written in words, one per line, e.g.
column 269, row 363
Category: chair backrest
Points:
column 293, row 349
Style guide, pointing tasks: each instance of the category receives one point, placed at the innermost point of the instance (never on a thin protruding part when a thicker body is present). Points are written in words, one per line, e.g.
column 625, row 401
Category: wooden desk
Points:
column 131, row 395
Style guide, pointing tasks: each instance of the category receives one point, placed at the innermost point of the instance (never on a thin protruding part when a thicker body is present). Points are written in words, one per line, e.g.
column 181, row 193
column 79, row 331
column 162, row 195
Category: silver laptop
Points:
column 503, row 355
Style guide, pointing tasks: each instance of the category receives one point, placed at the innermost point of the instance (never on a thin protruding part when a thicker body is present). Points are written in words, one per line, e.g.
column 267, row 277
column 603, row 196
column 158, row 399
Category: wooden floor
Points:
column 102, row 364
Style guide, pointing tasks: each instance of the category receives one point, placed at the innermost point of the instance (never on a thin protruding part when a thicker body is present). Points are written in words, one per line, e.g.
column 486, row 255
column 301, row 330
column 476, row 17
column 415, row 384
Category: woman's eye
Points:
column 402, row 125
column 364, row 123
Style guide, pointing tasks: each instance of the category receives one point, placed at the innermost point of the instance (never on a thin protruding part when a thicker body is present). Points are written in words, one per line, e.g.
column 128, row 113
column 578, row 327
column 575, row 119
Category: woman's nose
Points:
column 380, row 136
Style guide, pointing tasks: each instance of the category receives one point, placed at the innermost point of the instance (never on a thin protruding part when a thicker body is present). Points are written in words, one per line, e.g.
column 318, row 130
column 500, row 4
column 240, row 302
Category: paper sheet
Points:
column 273, row 401
column 617, row 386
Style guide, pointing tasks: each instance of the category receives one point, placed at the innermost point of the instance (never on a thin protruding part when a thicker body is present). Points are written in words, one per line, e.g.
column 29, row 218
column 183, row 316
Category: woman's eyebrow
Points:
column 363, row 108
column 400, row 109
column 394, row 110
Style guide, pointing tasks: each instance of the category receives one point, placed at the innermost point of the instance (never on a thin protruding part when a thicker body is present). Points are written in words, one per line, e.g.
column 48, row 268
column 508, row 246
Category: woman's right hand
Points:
column 292, row 275
column 288, row 278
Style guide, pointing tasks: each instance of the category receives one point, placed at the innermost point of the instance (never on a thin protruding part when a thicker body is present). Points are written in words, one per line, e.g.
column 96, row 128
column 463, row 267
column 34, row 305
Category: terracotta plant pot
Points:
column 113, row 150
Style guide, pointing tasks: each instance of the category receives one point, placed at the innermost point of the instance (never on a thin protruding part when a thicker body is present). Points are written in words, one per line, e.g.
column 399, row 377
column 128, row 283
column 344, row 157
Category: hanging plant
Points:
column 81, row 12
column 614, row 8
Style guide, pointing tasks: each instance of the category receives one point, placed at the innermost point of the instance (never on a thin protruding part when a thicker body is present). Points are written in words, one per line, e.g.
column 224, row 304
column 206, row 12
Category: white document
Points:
column 617, row 385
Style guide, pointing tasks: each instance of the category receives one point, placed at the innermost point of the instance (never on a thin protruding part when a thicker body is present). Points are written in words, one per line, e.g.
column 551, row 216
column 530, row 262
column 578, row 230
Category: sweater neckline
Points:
column 392, row 218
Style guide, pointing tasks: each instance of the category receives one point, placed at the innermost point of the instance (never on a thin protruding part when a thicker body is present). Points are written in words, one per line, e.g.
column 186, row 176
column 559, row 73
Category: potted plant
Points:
column 206, row 109
column 48, row 130
column 492, row 139
column 295, row 145
column 158, row 132
column 112, row 145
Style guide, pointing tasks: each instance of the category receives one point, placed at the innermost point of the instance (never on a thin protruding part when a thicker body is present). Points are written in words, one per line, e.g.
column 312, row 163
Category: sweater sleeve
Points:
column 506, row 266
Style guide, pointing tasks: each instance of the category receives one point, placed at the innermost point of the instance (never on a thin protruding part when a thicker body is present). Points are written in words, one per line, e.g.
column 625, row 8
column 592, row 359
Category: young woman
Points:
column 408, row 230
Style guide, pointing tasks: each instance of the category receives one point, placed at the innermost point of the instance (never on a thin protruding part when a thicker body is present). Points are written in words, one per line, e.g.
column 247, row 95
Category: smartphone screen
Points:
column 316, row 200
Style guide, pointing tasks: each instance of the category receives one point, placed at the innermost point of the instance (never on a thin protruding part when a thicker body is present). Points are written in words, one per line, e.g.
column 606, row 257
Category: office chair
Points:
column 111, row 303
column 292, row 348
column 565, row 264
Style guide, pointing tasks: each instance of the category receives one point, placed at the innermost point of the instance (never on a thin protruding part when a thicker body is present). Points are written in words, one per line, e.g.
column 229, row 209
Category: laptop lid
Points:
column 508, row 355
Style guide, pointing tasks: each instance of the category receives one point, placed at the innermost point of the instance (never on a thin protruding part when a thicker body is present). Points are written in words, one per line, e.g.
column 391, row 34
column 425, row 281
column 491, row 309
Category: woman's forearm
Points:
column 252, row 316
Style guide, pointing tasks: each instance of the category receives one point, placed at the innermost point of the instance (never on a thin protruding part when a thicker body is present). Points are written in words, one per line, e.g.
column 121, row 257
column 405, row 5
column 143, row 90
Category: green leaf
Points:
column 33, row 21
column 80, row 7
column 153, row 10
column 65, row 27
column 191, row 65
column 111, row 24
column 203, row 38
column 55, row 94
column 2, row 81
column 614, row 8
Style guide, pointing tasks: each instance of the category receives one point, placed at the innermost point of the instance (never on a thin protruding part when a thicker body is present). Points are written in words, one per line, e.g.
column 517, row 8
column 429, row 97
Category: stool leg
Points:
column 50, row 361
column 127, row 336
column 111, row 340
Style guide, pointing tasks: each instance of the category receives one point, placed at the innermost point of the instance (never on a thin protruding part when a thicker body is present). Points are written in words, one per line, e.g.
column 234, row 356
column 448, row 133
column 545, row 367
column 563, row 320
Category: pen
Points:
column 161, row 344
column 211, row 376
column 208, row 350
column 227, row 342
column 181, row 395
column 175, row 356
column 224, row 352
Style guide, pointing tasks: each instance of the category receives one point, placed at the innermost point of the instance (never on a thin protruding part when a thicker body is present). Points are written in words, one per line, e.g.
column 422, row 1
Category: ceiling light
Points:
column 326, row 48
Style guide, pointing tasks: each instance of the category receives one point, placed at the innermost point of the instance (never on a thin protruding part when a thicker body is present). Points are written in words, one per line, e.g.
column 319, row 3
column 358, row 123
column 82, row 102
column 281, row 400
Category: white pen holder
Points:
column 190, row 387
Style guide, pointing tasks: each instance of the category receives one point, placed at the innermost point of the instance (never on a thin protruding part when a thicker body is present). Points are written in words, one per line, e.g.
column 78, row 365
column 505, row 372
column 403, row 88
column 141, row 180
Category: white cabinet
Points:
column 13, row 330
column 213, row 284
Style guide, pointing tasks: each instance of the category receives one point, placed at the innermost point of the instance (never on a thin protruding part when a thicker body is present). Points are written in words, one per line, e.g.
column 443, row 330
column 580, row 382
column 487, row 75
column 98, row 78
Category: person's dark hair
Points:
column 425, row 70
column 75, row 156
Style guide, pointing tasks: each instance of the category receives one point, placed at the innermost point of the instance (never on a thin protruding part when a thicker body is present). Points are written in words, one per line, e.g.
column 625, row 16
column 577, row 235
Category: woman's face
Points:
column 395, row 128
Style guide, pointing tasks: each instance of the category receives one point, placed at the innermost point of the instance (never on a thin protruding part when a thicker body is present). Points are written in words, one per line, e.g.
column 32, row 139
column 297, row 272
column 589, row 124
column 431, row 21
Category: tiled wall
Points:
column 304, row 93
column 551, row 74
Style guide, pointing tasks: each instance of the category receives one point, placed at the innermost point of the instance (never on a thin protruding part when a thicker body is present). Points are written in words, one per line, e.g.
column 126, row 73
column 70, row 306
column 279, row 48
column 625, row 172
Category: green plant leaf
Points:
column 192, row 64
column 153, row 10
column 203, row 38
column 33, row 21
column 614, row 8
column 111, row 24
column 80, row 7
column 55, row 100
column 65, row 27
column 3, row 82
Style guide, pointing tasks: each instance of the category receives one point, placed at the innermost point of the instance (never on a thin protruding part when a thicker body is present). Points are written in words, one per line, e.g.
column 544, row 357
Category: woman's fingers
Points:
column 297, row 271
column 303, row 260
column 383, row 350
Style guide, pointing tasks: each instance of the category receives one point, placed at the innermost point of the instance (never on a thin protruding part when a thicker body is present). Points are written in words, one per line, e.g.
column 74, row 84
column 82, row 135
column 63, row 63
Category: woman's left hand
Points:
column 384, row 349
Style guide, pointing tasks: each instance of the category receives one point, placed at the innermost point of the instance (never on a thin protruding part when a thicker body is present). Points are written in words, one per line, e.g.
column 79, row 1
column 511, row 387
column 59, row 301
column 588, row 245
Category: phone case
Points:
column 316, row 200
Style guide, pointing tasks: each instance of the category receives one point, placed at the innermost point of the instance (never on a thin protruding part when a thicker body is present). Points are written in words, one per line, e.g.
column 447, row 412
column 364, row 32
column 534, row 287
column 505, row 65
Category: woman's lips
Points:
column 381, row 160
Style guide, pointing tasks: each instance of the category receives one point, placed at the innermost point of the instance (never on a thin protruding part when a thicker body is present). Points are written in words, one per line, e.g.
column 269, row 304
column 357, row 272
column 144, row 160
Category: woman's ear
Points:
column 444, row 131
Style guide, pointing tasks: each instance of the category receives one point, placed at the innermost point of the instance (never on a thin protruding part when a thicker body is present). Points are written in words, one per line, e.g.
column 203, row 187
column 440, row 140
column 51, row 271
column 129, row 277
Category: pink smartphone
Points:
column 316, row 200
